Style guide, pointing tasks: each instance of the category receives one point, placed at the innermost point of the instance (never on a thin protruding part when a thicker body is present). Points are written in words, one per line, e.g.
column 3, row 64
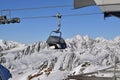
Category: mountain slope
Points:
column 82, row 55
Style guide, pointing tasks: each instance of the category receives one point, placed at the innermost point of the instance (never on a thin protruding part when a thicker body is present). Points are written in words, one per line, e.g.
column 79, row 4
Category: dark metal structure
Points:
column 109, row 14
column 5, row 20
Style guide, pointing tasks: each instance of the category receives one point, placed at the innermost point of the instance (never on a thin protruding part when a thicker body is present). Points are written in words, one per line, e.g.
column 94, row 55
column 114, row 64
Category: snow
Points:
column 83, row 55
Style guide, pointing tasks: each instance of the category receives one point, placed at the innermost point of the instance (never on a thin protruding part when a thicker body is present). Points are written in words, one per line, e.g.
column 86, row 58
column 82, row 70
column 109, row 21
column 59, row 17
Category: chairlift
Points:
column 5, row 20
column 56, row 41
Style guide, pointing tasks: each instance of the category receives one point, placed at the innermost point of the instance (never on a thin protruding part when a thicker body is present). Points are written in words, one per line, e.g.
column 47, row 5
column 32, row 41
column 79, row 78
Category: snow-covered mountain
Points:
column 38, row 62
column 8, row 45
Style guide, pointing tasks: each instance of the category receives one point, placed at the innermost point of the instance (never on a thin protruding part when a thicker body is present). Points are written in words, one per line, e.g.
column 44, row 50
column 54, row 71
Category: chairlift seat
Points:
column 56, row 41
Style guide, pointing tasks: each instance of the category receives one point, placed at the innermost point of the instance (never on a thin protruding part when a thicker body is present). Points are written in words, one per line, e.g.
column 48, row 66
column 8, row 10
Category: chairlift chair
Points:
column 57, row 41
column 4, row 20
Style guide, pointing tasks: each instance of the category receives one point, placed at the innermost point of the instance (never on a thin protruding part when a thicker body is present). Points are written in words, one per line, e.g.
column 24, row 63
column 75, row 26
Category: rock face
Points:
column 82, row 55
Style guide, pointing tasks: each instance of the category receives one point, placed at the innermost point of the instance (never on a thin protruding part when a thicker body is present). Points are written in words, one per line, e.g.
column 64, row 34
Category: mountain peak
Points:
column 7, row 45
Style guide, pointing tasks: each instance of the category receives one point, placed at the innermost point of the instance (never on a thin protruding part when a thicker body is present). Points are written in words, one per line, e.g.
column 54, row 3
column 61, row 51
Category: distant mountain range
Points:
column 38, row 62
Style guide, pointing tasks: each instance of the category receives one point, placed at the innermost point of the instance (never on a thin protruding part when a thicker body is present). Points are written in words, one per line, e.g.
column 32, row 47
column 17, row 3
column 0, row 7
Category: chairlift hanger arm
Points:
column 59, row 16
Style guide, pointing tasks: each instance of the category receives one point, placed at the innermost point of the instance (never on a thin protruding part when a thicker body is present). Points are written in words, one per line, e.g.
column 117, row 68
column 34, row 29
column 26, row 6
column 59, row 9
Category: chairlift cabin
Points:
column 57, row 41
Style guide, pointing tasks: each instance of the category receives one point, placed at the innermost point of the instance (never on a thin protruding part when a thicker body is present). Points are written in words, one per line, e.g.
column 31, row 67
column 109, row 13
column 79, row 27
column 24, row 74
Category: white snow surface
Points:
column 82, row 55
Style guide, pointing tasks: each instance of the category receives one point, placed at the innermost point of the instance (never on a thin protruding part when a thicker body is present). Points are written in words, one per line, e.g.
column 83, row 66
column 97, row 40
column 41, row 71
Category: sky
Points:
column 34, row 30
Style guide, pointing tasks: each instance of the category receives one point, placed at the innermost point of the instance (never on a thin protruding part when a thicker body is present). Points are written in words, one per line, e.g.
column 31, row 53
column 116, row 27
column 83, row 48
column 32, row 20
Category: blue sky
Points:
column 33, row 30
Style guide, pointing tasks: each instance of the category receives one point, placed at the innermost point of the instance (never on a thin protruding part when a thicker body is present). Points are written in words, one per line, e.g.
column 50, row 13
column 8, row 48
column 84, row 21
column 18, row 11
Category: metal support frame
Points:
column 59, row 22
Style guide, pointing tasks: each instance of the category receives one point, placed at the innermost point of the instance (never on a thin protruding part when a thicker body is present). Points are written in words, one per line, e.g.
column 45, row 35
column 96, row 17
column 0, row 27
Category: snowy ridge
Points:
column 7, row 45
column 82, row 55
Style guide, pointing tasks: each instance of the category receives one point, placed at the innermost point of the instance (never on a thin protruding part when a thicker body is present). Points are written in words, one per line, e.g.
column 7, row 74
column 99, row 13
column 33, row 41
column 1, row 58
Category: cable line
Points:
column 20, row 9
column 35, row 17
column 84, row 14
column 64, row 15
